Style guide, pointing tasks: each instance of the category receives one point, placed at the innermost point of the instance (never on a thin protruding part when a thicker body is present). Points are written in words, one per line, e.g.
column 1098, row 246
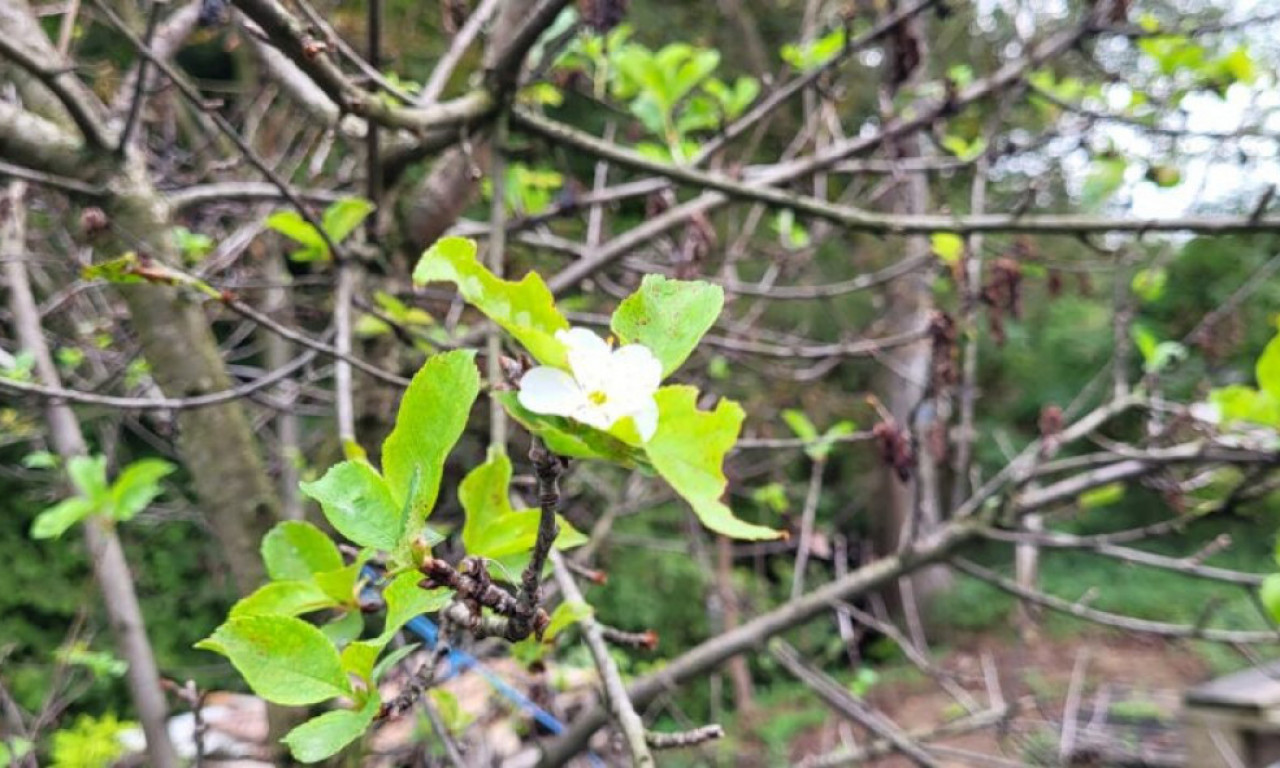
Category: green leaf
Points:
column 391, row 659
column 566, row 437
column 359, row 657
column 1268, row 369
column 1270, row 594
column 948, row 247
column 137, row 486
column 285, row 660
column 669, row 317
column 294, row 550
column 492, row 528
column 342, row 583
column 406, row 600
column 293, row 226
column 800, row 424
column 1102, row 496
column 283, row 598
column 433, row 414
column 564, row 616
column 688, row 450
column 1149, row 284
column 40, row 460
column 54, row 521
column 525, row 309
column 1237, row 402
column 343, row 216
column 344, row 629
column 358, row 504
column 325, row 736
column 89, row 475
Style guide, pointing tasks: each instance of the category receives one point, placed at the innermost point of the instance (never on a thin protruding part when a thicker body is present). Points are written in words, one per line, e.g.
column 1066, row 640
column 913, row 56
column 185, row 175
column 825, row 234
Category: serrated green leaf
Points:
column 294, row 550
column 406, row 600
column 525, row 309
column 343, row 216
column 669, row 317
column 284, row 660
column 689, row 449
column 54, row 521
column 358, row 504
column 433, row 414
column 493, row 529
column 137, row 486
column 283, row 598
column 325, row 736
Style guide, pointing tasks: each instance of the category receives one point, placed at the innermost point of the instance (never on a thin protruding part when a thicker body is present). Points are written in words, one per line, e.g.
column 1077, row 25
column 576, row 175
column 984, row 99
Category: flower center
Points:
column 597, row 397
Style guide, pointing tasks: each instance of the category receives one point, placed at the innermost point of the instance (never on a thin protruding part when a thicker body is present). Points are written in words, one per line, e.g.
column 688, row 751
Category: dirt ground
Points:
column 1130, row 693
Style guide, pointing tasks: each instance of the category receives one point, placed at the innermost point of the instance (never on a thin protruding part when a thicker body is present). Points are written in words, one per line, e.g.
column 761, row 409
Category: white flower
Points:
column 607, row 384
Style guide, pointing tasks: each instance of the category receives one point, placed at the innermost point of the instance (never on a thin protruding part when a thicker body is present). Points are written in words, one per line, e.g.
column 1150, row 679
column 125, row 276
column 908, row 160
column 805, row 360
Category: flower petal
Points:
column 646, row 420
column 550, row 391
column 589, row 357
column 600, row 417
column 633, row 376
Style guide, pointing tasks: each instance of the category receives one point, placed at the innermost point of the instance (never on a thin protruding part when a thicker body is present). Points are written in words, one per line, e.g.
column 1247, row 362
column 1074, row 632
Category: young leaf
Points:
column 688, row 450
column 54, row 521
column 325, row 736
column 668, row 316
column 283, row 598
column 433, row 413
column 1268, row 369
column 293, row 226
column 358, row 504
column 344, row 629
column 492, row 528
column 137, row 486
column 358, row 658
column 285, row 660
column 89, row 475
column 406, row 600
column 525, row 309
column 341, row 583
column 342, row 217
column 1270, row 595
column 294, row 550
column 1102, row 496
column 564, row 616
column 800, row 424
column 391, row 659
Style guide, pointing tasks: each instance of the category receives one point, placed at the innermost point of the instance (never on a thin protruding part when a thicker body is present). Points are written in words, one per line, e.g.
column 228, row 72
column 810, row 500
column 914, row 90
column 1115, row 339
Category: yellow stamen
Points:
column 597, row 398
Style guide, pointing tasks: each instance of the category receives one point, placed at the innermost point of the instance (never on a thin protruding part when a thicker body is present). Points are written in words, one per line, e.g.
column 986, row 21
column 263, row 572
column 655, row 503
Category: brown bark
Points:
column 217, row 444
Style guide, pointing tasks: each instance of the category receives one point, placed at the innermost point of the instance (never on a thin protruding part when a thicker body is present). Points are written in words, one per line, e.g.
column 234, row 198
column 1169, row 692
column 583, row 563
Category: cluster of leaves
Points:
column 339, row 220
column 291, row 661
column 667, row 316
column 137, row 486
column 671, row 91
